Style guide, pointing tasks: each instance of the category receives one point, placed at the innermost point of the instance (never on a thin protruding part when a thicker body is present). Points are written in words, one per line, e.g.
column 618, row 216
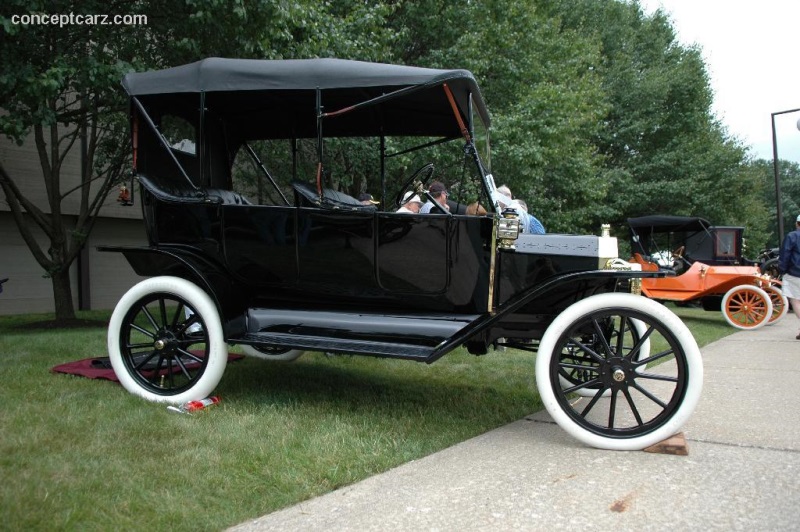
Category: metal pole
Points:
column 778, row 199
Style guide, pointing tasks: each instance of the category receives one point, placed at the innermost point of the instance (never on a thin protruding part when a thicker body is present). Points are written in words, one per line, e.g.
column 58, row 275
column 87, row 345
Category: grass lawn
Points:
column 81, row 454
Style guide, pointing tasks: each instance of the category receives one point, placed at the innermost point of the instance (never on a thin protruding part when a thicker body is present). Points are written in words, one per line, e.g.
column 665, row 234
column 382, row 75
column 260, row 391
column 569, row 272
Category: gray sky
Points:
column 750, row 49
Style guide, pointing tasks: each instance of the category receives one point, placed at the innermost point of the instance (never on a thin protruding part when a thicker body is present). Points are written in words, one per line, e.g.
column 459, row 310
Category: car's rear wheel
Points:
column 274, row 354
column 160, row 351
column 747, row 307
column 635, row 402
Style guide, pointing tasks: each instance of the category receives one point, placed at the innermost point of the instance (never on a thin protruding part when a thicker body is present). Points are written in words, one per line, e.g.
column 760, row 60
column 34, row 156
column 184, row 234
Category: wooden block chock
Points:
column 673, row 445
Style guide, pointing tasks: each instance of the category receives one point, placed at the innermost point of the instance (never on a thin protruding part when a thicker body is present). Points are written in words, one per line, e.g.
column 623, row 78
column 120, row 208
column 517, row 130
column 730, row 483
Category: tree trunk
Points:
column 62, row 292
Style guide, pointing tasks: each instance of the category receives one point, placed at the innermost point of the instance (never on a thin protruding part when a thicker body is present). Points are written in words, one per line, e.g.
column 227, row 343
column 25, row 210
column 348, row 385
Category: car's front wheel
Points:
column 780, row 304
column 623, row 401
column 165, row 341
column 747, row 307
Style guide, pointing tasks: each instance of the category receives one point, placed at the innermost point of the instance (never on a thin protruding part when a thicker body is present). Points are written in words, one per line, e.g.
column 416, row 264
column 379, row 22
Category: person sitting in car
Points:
column 439, row 193
column 527, row 222
column 368, row 200
column 411, row 204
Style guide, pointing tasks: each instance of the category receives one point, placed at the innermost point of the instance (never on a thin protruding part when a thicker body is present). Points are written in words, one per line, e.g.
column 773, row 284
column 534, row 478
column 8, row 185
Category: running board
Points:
column 407, row 336
column 338, row 345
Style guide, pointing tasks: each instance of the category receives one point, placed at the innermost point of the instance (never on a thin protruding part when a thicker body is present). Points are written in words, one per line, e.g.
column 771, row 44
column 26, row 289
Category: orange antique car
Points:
column 708, row 269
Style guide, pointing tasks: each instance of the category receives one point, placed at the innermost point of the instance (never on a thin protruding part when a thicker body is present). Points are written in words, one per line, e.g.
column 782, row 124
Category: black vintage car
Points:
column 285, row 261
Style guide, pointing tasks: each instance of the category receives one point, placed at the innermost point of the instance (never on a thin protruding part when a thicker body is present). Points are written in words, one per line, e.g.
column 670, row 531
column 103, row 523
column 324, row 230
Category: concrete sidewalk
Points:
column 742, row 471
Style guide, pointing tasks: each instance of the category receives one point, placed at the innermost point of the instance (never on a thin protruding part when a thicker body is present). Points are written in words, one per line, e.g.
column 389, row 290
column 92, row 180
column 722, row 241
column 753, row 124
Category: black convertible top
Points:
column 667, row 224
column 645, row 228
column 277, row 98
column 216, row 74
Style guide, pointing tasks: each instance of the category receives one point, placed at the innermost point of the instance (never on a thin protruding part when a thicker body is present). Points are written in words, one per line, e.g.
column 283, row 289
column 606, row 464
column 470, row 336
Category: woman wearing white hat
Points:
column 411, row 204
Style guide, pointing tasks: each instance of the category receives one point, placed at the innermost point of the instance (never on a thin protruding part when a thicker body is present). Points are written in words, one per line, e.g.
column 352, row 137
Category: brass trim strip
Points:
column 492, row 264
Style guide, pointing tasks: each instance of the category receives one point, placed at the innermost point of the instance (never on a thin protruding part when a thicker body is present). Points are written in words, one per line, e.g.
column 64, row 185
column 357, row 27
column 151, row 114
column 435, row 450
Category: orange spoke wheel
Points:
column 747, row 307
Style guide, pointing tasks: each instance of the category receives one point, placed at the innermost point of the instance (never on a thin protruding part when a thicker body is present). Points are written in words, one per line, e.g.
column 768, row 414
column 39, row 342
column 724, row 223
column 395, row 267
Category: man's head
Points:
column 505, row 191
column 798, row 220
column 367, row 199
column 439, row 192
column 506, row 198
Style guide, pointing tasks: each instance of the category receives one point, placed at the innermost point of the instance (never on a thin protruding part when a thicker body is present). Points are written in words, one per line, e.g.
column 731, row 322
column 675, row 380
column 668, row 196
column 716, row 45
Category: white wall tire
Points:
column 747, row 307
column 277, row 355
column 780, row 304
column 151, row 349
column 643, row 407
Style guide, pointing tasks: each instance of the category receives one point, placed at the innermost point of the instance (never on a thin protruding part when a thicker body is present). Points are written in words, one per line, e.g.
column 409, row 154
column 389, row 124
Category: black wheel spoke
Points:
column 623, row 328
column 657, row 377
column 171, row 373
column 190, row 355
column 632, row 405
column 591, row 404
column 150, row 318
column 177, row 316
column 183, row 368
column 612, row 408
column 602, row 336
column 145, row 345
column 186, row 342
column 145, row 361
column 156, row 372
column 589, row 351
column 637, row 348
column 649, row 395
column 588, row 384
column 191, row 320
column 143, row 331
column 162, row 307
column 655, row 358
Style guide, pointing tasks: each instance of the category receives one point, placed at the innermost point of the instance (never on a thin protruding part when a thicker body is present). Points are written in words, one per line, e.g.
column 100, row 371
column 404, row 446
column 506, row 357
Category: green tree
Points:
column 59, row 90
column 541, row 87
column 763, row 172
column 664, row 151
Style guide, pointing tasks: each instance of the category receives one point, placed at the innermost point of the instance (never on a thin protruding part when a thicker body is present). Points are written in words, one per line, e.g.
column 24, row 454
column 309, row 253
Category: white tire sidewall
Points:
column 785, row 309
column 694, row 369
column 203, row 305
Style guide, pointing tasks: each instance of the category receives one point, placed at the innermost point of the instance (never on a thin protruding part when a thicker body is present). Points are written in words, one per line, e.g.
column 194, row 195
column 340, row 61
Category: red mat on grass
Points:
column 100, row 368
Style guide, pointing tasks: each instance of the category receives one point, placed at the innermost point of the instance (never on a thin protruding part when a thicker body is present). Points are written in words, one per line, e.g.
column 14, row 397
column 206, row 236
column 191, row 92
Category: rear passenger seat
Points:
column 227, row 197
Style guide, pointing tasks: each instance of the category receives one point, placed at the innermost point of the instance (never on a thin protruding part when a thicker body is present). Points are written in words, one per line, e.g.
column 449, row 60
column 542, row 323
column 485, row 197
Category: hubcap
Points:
column 165, row 340
column 618, row 375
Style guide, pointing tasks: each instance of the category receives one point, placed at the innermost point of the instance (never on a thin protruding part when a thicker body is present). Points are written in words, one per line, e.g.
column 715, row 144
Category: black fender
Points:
column 228, row 295
column 555, row 294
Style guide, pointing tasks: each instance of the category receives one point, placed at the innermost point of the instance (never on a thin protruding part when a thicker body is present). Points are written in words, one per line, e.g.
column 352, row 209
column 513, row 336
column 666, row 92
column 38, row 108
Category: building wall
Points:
column 107, row 275
column 111, row 275
column 27, row 290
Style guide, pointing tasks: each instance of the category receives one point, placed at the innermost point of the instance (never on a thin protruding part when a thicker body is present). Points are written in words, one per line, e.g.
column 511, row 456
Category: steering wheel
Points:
column 678, row 253
column 423, row 175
